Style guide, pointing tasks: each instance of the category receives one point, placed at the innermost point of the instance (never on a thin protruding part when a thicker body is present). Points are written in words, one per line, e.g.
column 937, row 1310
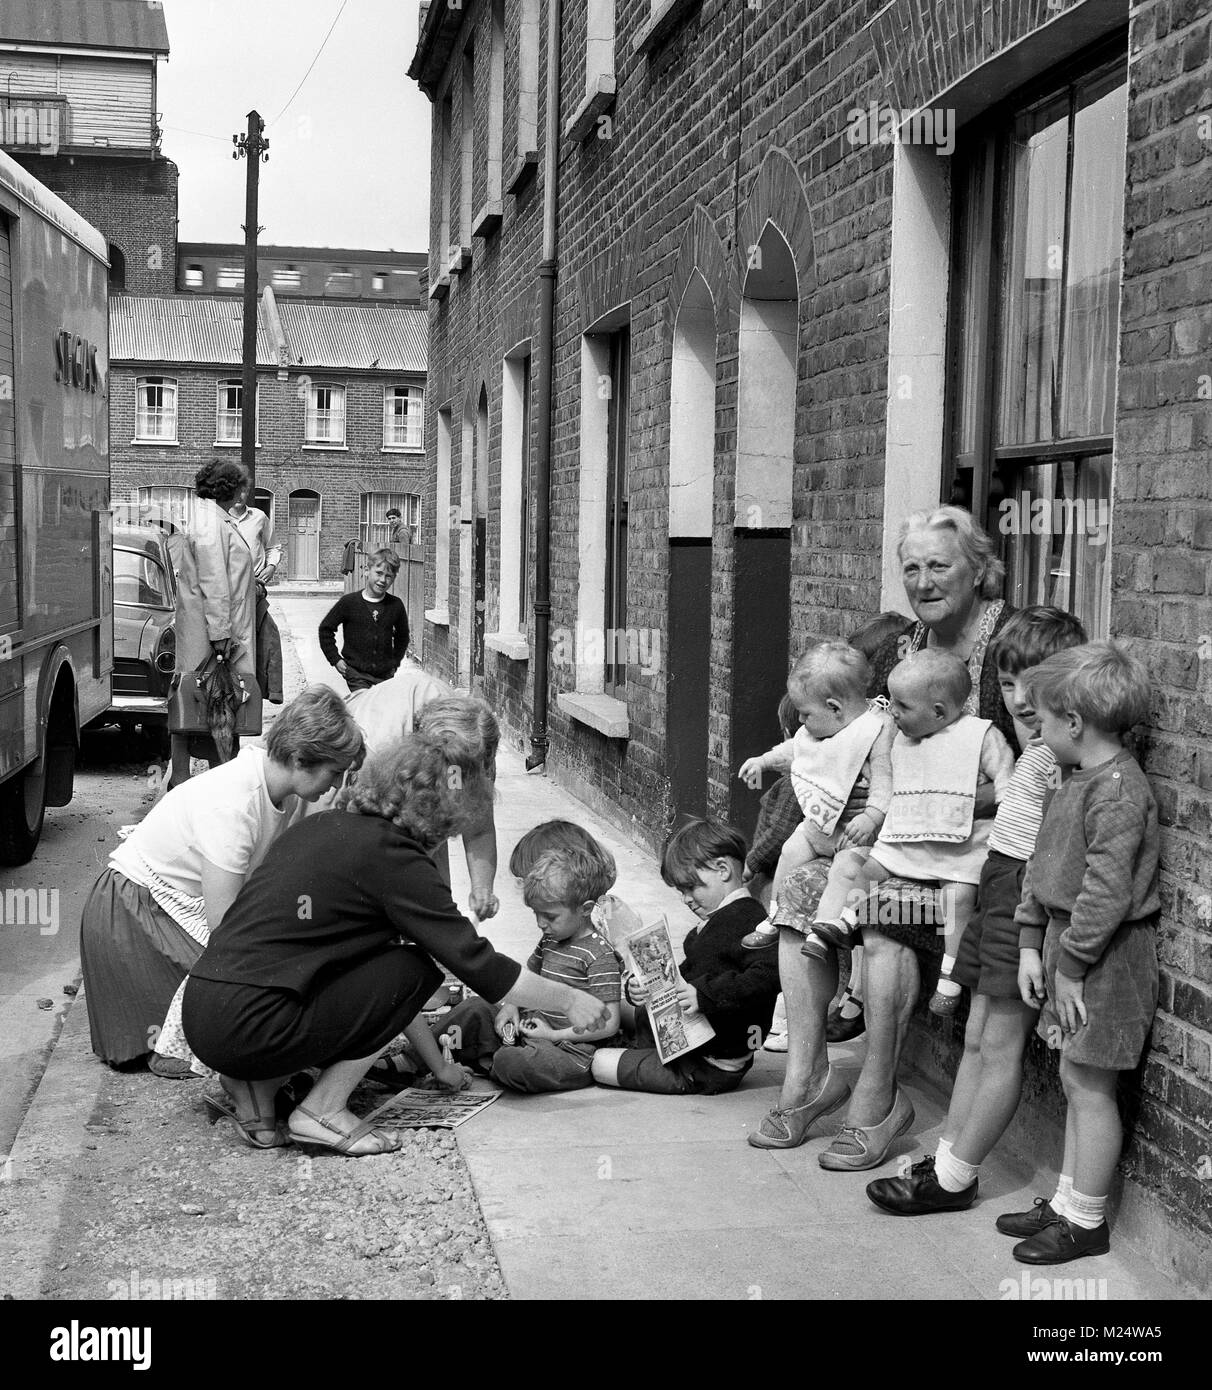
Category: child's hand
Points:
column 1069, row 1002
column 535, row 1028
column 751, row 773
column 636, row 991
column 688, row 996
column 507, row 1013
column 341, row 667
column 1031, row 978
column 861, row 832
column 450, row 1076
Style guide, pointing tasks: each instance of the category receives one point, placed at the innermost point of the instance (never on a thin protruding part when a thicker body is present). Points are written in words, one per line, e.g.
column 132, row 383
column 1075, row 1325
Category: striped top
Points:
column 587, row 962
column 1016, row 825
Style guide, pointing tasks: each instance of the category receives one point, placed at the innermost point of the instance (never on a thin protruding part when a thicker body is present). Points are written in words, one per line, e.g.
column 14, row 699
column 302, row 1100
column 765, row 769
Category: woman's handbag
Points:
column 190, row 699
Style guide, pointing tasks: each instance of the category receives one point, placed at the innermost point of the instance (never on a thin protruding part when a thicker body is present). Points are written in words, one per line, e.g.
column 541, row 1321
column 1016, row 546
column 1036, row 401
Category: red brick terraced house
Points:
column 340, row 396
column 764, row 278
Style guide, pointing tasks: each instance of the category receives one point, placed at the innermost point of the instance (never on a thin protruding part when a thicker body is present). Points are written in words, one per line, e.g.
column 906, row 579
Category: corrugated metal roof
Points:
column 182, row 328
column 132, row 25
column 378, row 337
column 200, row 329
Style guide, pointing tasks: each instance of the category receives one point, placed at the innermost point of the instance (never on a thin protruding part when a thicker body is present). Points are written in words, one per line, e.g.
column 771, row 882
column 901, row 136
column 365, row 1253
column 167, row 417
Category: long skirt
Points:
column 133, row 956
column 258, row 1032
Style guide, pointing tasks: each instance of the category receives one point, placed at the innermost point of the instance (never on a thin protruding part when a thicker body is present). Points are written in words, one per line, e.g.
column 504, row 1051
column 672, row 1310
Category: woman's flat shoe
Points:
column 388, row 1139
column 788, row 1128
column 866, row 1146
column 170, row 1068
column 839, row 1029
column 248, row 1130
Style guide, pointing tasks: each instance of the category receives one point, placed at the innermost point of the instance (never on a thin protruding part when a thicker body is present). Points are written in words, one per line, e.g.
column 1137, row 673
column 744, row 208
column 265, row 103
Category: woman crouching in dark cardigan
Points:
column 328, row 951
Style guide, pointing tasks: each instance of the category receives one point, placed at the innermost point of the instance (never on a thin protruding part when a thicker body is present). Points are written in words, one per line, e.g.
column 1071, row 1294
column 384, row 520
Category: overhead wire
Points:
column 311, row 65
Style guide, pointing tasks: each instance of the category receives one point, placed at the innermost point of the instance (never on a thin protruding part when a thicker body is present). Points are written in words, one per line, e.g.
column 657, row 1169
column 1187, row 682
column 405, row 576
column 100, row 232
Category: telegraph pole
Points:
column 254, row 147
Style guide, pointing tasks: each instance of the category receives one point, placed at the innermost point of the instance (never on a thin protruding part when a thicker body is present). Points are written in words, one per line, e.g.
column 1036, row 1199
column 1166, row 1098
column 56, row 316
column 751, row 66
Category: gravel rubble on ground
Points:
column 164, row 1205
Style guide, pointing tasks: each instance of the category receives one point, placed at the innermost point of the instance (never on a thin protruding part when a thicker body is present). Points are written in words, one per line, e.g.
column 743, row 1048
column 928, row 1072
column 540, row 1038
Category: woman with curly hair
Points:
column 328, row 952
column 216, row 597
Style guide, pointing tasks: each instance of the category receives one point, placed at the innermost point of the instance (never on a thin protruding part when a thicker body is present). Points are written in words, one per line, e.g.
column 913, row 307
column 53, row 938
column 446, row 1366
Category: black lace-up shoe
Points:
column 1023, row 1224
column 919, row 1193
column 1061, row 1241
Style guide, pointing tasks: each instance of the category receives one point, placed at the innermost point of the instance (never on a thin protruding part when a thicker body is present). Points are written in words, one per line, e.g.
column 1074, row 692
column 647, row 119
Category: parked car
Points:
column 145, row 639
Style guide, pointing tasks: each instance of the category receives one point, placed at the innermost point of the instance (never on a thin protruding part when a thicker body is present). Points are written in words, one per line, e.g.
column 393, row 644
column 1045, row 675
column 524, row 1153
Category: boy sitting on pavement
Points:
column 733, row 988
column 535, row 1051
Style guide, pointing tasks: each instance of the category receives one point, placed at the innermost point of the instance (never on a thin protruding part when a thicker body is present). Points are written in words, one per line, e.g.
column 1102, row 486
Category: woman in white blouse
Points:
column 169, row 883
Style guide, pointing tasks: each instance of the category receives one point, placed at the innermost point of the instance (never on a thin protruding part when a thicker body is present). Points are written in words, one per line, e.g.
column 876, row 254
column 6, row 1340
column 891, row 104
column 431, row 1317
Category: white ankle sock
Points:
column 1060, row 1200
column 943, row 1151
column 851, row 1007
column 953, row 1173
column 946, row 986
column 948, row 966
column 1083, row 1211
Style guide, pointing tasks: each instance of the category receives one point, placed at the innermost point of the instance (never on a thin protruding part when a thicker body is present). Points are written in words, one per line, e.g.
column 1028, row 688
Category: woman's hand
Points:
column 484, row 903
column 751, row 774
column 584, row 1012
column 1031, row 978
column 221, row 647
column 506, row 1014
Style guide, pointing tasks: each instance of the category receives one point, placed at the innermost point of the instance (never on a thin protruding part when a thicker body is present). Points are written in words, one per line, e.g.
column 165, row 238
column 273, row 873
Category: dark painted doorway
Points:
column 689, row 677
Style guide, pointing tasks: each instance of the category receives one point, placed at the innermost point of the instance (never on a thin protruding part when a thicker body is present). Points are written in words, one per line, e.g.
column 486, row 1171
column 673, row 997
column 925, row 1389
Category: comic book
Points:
column 676, row 1030
column 421, row 1108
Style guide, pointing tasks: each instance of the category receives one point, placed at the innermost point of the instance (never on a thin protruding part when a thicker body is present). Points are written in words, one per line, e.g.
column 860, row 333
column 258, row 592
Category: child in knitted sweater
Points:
column 939, row 757
column 843, row 746
column 1088, row 930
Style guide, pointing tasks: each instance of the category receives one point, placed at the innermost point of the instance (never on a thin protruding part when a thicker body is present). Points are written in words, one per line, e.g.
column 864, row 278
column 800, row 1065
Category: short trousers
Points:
column 1120, row 995
column 531, row 1065
column 641, row 1069
column 987, row 961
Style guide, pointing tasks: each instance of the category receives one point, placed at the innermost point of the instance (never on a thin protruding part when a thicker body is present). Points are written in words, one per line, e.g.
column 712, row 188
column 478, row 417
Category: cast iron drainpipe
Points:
column 542, row 510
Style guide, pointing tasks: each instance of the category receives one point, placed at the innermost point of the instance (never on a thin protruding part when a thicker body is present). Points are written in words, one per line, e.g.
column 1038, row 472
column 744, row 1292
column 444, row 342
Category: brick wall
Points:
column 1162, row 557
column 704, row 123
column 132, row 203
column 283, row 464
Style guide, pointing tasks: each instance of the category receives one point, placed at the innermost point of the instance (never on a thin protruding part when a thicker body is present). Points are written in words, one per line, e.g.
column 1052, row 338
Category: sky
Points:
column 348, row 157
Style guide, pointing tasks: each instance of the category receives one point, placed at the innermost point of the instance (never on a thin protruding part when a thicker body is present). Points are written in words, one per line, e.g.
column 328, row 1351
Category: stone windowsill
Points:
column 327, row 448
column 666, row 16
column 439, row 617
column 488, row 219
column 524, row 169
column 601, row 712
column 511, row 644
column 460, row 259
column 598, row 99
column 157, row 443
column 440, row 287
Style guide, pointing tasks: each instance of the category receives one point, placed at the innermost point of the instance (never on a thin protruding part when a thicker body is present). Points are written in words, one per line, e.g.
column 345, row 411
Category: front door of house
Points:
column 304, row 537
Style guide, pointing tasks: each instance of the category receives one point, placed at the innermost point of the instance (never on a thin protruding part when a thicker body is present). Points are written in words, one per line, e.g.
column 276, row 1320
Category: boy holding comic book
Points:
column 734, row 989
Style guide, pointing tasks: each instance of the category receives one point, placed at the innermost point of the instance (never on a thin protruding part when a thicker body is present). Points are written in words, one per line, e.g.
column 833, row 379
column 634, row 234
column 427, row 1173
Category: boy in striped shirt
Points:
column 532, row 1050
column 990, row 1076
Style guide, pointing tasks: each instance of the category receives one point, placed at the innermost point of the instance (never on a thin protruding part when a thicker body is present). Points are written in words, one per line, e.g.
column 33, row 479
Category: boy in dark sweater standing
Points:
column 733, row 988
column 1088, row 931
column 374, row 627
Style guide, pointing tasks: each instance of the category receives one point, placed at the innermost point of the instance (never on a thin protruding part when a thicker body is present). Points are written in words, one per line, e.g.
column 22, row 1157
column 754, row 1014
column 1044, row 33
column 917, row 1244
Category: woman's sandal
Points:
column 248, row 1130
column 345, row 1144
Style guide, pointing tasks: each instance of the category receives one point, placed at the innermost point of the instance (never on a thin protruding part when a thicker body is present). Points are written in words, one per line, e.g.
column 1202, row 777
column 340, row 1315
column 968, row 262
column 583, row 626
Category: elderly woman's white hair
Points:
column 974, row 543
